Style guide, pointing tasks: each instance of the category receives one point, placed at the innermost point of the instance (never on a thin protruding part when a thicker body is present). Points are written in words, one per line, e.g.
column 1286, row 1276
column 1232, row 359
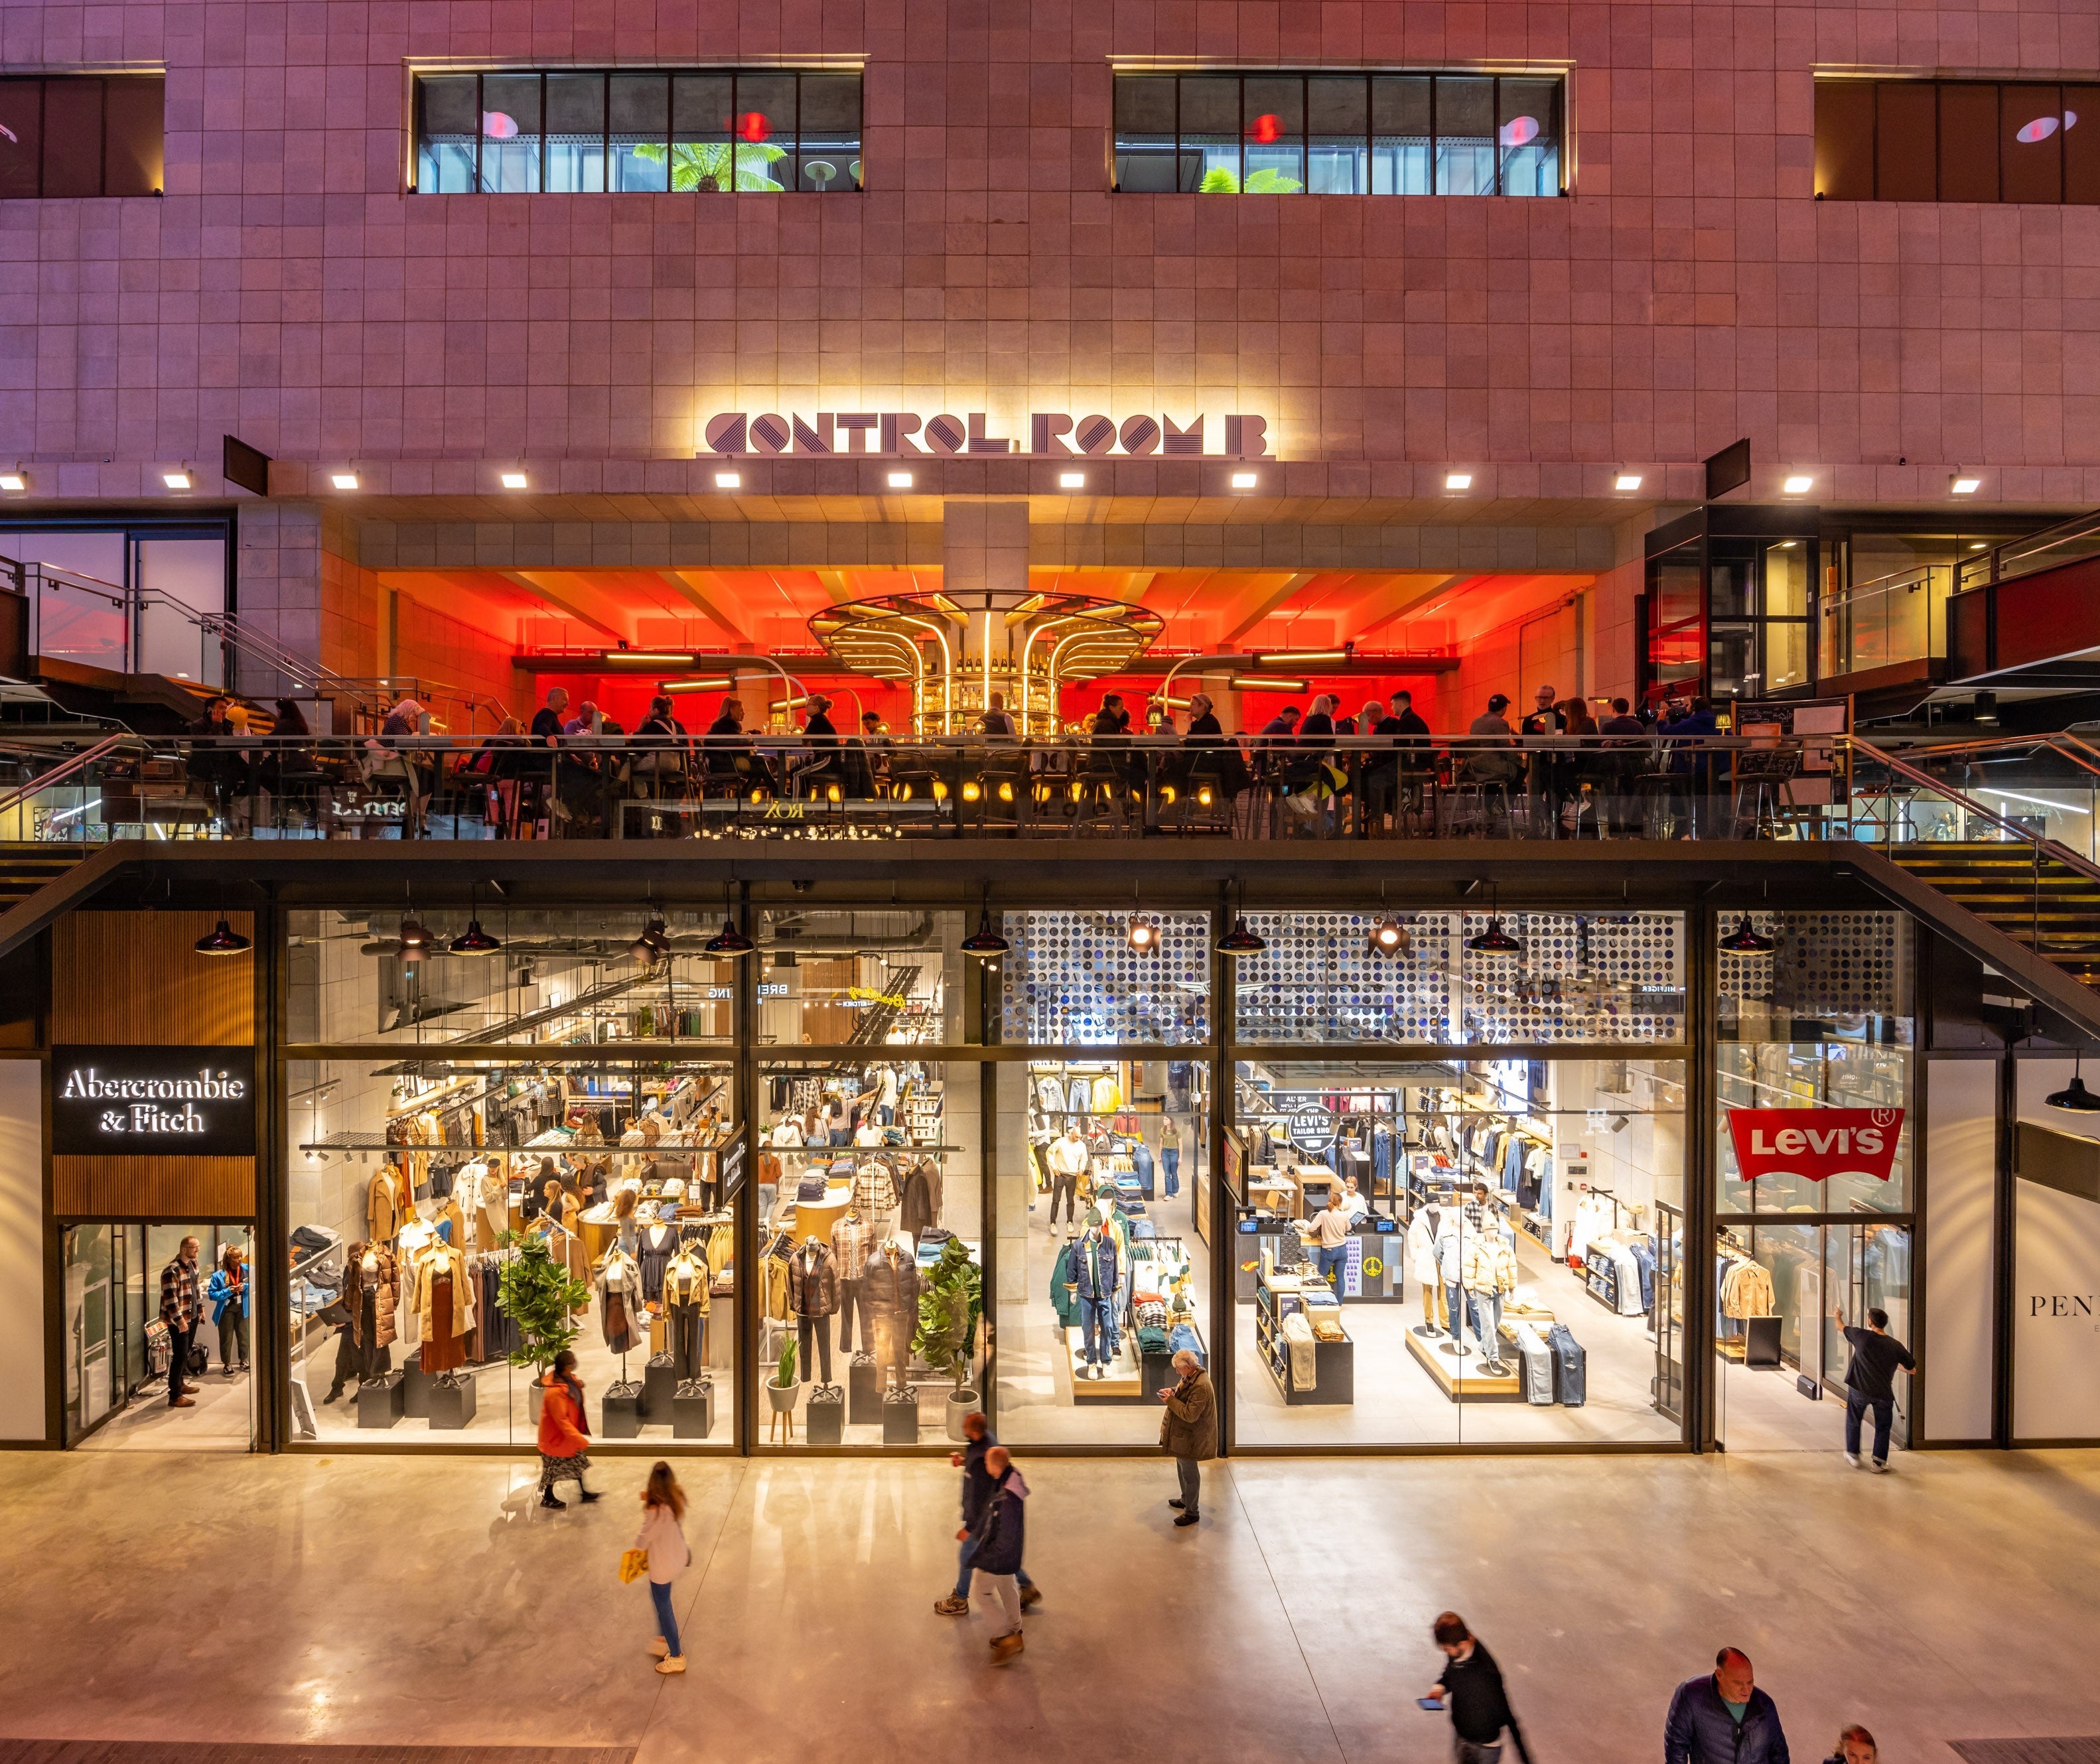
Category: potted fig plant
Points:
column 951, row 1301
column 538, row 1294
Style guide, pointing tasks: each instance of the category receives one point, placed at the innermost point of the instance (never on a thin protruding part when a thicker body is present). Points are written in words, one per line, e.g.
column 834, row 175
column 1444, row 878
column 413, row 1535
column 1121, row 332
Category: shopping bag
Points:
column 634, row 1564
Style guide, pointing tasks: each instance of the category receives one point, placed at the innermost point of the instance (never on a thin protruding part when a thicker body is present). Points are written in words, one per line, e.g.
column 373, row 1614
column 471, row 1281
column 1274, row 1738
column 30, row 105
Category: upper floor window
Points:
column 1956, row 141
column 81, row 134
column 574, row 130
column 1339, row 134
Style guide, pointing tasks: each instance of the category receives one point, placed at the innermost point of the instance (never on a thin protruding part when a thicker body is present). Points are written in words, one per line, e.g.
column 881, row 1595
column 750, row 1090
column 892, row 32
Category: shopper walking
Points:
column 564, row 1452
column 1723, row 1719
column 1855, row 1745
column 1188, row 1431
column 228, row 1293
column 977, row 1491
column 179, row 1311
column 1067, row 1158
column 663, row 1539
column 1471, row 1687
column 1870, row 1382
column 1000, row 1534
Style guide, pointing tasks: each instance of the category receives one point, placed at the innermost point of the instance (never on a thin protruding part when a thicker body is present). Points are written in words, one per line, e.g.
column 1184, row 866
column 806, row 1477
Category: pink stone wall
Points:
column 287, row 289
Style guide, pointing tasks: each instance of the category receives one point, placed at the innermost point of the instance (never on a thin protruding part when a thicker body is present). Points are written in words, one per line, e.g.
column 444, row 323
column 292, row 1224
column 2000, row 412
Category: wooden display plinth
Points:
column 1457, row 1383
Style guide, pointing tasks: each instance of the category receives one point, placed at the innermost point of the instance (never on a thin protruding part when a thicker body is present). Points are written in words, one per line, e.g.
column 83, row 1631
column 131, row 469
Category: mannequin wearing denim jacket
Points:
column 1090, row 1271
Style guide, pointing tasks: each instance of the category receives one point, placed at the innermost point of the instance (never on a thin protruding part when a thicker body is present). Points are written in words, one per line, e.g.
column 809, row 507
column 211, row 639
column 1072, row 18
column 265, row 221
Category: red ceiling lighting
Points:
column 752, row 126
column 1265, row 130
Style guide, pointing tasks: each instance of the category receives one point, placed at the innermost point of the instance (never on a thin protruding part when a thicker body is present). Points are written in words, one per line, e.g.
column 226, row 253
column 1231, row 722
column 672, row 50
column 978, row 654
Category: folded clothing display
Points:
column 1298, row 1339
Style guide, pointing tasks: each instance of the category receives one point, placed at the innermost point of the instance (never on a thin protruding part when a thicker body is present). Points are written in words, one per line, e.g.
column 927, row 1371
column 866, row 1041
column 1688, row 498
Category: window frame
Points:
column 790, row 157
column 1503, row 156
column 103, row 84
column 1830, row 131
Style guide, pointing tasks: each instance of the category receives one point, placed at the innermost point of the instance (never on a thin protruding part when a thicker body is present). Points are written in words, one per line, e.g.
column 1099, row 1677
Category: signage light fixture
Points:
column 514, row 480
column 1246, row 480
column 1799, row 484
column 1071, row 480
column 1299, row 658
column 1627, row 481
column 13, row 481
column 729, row 481
column 1964, row 484
column 1457, row 480
column 343, row 480
column 900, row 480
column 1264, row 683
column 176, row 480
column 676, row 687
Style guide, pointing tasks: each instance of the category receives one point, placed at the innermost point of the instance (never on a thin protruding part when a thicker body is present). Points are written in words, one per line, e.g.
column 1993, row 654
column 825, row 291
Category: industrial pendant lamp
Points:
column 1495, row 941
column 729, row 941
column 1747, row 939
column 222, row 940
column 653, row 944
column 414, row 941
column 1242, row 940
column 2076, row 1098
column 473, row 941
column 984, row 942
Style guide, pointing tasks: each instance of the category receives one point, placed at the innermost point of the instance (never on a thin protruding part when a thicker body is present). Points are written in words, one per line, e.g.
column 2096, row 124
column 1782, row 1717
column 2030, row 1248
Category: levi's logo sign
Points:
column 1814, row 1143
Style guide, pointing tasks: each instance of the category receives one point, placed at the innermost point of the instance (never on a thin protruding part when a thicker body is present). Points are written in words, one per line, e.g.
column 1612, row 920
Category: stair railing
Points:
column 66, row 771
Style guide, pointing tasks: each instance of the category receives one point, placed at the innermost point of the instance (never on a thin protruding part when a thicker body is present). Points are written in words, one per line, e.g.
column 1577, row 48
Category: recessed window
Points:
column 81, row 134
column 1956, row 141
column 1332, row 134
column 756, row 131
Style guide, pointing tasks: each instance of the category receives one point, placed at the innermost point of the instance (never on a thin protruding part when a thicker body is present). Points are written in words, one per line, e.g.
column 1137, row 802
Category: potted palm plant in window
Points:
column 951, row 1300
column 543, row 1299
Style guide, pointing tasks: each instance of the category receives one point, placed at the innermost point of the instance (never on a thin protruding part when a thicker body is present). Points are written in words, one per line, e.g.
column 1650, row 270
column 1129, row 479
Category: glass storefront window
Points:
column 1459, row 1251
column 454, row 1224
column 1077, row 978
column 872, row 1241
column 836, row 979
column 1104, row 1160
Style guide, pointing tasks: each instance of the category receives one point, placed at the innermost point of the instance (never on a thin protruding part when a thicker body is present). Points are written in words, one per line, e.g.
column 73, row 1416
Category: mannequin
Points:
column 444, row 1304
column 370, row 1290
column 686, row 1299
column 851, row 1240
column 1450, row 1263
column 619, row 1296
column 813, row 1296
column 1091, row 1275
column 1489, row 1271
column 890, row 1291
column 1423, row 1231
column 654, row 1247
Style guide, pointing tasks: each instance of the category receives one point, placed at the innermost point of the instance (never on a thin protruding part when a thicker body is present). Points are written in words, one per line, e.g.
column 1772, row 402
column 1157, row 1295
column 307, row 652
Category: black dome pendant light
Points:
column 2074, row 1097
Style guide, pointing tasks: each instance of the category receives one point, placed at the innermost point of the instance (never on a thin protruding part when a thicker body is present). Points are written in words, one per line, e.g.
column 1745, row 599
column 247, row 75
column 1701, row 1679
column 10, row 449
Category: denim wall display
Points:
column 1073, row 978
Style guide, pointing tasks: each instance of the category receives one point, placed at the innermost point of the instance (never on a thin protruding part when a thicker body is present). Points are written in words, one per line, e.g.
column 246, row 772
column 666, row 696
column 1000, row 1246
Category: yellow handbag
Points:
column 634, row 1564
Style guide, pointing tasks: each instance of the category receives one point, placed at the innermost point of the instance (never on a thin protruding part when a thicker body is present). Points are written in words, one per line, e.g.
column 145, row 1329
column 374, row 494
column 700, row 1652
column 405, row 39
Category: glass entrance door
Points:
column 93, row 1376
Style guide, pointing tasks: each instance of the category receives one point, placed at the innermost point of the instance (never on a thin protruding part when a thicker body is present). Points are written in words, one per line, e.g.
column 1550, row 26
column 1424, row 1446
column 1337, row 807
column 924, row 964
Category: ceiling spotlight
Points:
column 1627, row 481
column 223, row 940
column 1389, row 937
column 653, row 944
column 1143, row 936
column 473, row 941
column 514, row 480
column 1747, row 939
column 343, row 480
column 176, row 480
column 13, row 481
column 1799, row 485
column 1965, row 486
column 1457, row 480
column 900, row 480
column 2077, row 1099
column 729, row 480
column 415, row 940
column 1071, row 480
column 1245, row 480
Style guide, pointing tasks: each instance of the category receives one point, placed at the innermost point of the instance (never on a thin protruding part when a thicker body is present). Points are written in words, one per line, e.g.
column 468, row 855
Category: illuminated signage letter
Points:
column 1188, row 440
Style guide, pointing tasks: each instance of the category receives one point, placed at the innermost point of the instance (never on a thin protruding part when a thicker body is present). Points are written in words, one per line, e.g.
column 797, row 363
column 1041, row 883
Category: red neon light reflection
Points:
column 1265, row 130
column 752, row 126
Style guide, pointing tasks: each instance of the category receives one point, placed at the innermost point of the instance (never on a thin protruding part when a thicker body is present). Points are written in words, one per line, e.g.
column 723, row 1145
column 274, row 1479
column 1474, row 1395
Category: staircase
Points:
column 23, row 869
column 2038, row 900
column 878, row 1020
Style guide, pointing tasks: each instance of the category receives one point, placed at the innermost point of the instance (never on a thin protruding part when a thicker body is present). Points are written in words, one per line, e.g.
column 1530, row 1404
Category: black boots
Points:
column 547, row 1499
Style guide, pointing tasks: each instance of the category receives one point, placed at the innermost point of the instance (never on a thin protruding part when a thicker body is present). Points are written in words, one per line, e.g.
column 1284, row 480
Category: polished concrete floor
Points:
column 425, row 1602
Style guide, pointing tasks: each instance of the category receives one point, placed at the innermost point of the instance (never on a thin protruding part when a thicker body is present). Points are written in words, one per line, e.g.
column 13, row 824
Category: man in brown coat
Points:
column 1188, row 1431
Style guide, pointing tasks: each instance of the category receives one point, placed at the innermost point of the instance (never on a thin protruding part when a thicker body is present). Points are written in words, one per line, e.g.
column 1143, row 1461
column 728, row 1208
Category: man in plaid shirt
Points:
column 180, row 1310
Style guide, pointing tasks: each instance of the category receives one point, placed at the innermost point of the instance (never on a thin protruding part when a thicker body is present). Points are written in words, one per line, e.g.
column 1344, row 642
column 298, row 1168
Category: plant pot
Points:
column 781, row 1396
column 961, row 1403
column 539, row 1390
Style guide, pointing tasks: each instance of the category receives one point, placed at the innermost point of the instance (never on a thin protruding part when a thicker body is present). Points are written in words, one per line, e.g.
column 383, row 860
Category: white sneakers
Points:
column 1853, row 1459
column 1879, row 1466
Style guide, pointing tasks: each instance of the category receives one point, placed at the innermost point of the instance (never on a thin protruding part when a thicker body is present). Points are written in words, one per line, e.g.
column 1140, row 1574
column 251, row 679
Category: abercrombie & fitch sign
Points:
column 905, row 434
column 191, row 1101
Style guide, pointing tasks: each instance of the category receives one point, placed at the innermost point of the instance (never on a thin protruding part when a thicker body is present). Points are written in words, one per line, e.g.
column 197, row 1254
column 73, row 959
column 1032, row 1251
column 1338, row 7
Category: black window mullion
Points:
column 102, row 172
column 1177, row 133
column 1240, row 80
column 480, row 110
column 1434, row 83
column 1495, row 129
column 543, row 139
column 43, row 133
column 1370, row 139
column 605, row 134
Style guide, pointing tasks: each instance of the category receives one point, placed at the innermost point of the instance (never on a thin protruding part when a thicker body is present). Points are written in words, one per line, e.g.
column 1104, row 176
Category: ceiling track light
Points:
column 2076, row 1099
column 413, row 942
column 1747, row 939
column 1389, row 937
column 1141, row 934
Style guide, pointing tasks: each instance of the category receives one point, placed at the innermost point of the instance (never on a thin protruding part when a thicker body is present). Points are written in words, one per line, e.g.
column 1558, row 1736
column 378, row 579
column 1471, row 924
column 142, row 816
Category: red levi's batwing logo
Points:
column 1814, row 1143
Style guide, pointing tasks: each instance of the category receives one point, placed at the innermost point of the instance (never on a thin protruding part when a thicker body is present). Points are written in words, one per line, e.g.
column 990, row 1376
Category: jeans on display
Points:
column 179, row 1360
column 1098, row 1329
column 1455, row 1307
column 1170, row 1164
column 1190, row 1470
column 1067, row 1186
column 1857, row 1403
column 666, row 1621
column 821, row 1326
column 233, row 1338
column 889, row 1335
column 849, row 1300
column 962, row 1578
column 840, row 1135
column 1334, row 1262
column 685, row 1339
column 885, row 1114
column 1485, row 1310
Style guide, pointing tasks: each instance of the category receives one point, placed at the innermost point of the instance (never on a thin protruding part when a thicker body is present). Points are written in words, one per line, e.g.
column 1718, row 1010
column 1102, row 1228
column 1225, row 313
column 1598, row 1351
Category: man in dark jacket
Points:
column 1870, row 1382
column 1723, row 1719
column 1471, row 1688
column 1000, row 1537
column 977, row 1491
column 1622, row 802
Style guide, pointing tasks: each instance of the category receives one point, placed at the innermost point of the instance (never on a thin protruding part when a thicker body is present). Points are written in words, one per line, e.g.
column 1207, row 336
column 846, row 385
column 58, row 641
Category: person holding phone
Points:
column 1471, row 1688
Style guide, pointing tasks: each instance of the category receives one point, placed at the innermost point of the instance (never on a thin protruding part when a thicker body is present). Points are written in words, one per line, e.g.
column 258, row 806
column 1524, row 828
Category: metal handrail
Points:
column 60, row 773
column 2086, row 760
column 1980, row 572
column 2041, row 848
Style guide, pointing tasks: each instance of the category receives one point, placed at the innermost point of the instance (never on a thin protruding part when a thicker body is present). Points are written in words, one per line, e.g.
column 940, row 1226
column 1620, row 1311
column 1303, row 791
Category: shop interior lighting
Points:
column 985, row 943
column 1265, row 683
column 222, row 940
column 514, row 480
column 729, row 941
column 1071, row 480
column 343, row 480
column 2076, row 1098
column 13, row 481
column 1747, row 939
column 473, row 941
column 1457, row 480
column 1389, row 937
column 654, row 944
column 1799, row 485
column 1242, row 940
column 729, row 480
column 414, row 942
column 1246, row 480
column 675, row 687
column 900, row 480
column 648, row 658
column 1495, row 941
column 1963, row 485
column 176, row 480
column 1627, row 481
column 1299, row 658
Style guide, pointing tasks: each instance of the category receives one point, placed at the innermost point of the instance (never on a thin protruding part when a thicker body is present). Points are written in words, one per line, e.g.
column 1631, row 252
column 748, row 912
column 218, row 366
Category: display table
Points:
column 814, row 1218
column 1334, row 1362
column 1277, row 1192
column 1456, row 1380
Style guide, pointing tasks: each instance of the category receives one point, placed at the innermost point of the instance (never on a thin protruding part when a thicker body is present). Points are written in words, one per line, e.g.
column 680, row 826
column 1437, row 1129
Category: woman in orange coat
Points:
column 564, row 1452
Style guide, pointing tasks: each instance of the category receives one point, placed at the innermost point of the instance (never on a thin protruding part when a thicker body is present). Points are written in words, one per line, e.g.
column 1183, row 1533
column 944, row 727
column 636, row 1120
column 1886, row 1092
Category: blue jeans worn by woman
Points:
column 667, row 1624
column 1334, row 1261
